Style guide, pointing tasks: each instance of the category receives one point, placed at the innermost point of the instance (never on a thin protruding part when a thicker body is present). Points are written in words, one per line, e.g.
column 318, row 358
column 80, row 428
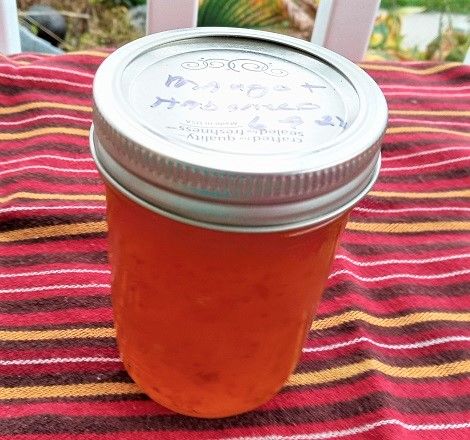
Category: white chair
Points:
column 338, row 26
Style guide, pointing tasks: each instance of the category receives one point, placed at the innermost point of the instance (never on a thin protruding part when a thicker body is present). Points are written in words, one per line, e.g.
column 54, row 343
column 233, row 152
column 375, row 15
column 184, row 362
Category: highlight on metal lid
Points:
column 236, row 128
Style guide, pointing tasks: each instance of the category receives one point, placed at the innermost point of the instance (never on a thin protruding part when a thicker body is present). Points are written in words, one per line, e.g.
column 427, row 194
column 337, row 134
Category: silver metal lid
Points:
column 237, row 128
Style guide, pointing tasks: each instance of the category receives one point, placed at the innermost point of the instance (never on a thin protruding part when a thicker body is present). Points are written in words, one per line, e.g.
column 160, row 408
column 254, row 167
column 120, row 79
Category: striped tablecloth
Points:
column 388, row 355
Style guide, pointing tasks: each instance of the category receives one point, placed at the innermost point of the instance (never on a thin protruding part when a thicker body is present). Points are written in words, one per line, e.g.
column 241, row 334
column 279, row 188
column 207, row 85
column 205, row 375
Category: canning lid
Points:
column 237, row 129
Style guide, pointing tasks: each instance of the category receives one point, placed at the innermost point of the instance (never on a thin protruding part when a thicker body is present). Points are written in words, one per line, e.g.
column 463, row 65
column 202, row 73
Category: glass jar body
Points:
column 212, row 323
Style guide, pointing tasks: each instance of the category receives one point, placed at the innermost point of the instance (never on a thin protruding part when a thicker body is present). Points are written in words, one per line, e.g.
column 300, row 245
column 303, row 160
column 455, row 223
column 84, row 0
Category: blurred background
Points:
column 436, row 30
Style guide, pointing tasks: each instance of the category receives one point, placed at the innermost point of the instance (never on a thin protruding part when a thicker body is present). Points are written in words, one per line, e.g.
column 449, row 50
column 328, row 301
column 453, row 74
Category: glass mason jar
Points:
column 231, row 160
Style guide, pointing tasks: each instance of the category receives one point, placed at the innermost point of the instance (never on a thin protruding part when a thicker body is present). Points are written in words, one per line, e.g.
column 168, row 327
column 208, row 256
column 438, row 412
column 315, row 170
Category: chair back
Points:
column 340, row 25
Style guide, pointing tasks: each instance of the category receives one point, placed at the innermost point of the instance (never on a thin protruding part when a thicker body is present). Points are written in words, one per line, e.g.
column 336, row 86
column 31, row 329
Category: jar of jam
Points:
column 231, row 159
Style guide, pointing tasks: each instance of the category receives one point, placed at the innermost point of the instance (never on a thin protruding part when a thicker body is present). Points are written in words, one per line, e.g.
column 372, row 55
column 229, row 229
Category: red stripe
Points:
column 59, row 352
column 31, row 95
column 56, row 247
column 69, row 316
column 273, row 429
column 392, row 306
column 72, row 141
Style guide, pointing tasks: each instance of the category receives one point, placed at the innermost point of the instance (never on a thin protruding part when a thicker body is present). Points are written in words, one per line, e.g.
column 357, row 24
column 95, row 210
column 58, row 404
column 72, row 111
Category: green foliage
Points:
column 241, row 13
column 386, row 41
column 109, row 27
column 451, row 45
column 454, row 6
column 114, row 3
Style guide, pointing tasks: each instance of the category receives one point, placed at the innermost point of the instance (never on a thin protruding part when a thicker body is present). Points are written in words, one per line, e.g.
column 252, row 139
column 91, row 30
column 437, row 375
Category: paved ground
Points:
column 420, row 29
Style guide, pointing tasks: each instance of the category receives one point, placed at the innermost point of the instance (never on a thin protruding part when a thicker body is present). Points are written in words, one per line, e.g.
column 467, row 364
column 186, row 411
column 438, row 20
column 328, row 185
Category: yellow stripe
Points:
column 399, row 321
column 398, row 130
column 399, row 228
column 93, row 227
column 46, row 335
column 52, row 231
column 79, row 390
column 430, row 112
column 428, row 71
column 100, row 197
column 94, row 53
column 98, row 227
column 310, row 378
column 21, row 62
column 422, row 195
column 42, row 131
column 319, row 324
column 351, row 370
column 46, row 196
column 43, row 104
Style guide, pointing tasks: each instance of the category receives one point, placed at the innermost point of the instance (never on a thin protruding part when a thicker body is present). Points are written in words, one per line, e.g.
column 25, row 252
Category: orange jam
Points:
column 211, row 323
column 231, row 159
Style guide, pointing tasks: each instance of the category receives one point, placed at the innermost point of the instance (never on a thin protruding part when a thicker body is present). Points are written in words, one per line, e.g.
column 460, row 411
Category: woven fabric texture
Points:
column 388, row 354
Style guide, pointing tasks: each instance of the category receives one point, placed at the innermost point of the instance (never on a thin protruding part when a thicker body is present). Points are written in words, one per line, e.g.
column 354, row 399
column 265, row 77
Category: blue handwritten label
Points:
column 241, row 103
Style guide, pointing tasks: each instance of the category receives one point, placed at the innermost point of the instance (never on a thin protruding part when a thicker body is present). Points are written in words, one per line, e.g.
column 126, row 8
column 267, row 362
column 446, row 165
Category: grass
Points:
column 453, row 6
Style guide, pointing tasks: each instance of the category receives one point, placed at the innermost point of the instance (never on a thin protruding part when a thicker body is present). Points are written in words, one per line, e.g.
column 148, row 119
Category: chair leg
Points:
column 9, row 28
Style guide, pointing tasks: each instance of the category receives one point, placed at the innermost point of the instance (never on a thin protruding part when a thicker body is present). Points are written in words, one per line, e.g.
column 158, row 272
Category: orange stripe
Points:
column 400, row 228
column 46, row 335
column 422, row 195
column 428, row 71
column 43, row 104
column 47, row 196
column 52, row 231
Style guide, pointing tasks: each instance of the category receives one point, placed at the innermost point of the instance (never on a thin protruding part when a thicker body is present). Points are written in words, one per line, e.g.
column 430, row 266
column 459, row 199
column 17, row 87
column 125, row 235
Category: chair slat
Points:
column 164, row 15
column 9, row 28
column 345, row 27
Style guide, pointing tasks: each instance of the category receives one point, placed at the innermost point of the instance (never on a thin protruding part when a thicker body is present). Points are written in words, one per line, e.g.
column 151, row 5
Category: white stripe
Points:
column 397, row 261
column 47, row 156
column 48, row 80
column 401, row 275
column 360, row 429
column 400, row 86
column 57, row 361
column 424, row 153
column 41, row 117
column 417, row 209
column 421, row 344
column 50, row 208
column 49, row 69
column 426, row 165
column 413, row 93
column 45, row 167
column 54, row 287
column 53, row 272
column 427, row 121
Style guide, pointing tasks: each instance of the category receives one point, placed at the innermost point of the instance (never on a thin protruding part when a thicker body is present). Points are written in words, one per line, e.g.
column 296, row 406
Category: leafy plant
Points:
column 290, row 16
column 451, row 45
column 240, row 13
column 454, row 6
column 387, row 41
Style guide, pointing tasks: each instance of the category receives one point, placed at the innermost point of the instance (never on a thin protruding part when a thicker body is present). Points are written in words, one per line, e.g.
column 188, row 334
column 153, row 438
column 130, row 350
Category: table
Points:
column 387, row 356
